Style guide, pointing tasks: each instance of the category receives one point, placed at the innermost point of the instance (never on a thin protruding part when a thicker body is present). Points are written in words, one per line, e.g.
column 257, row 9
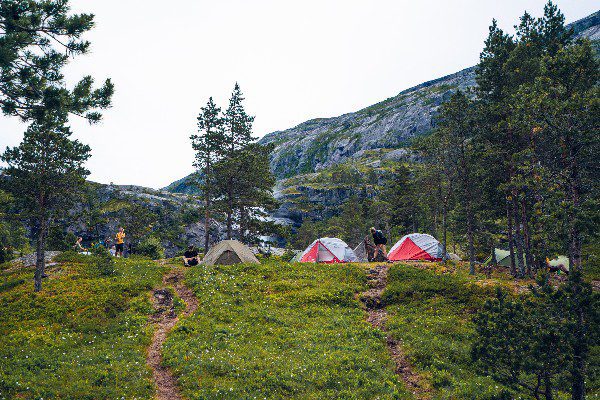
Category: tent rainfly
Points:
column 229, row 252
column 416, row 246
column 502, row 258
column 328, row 250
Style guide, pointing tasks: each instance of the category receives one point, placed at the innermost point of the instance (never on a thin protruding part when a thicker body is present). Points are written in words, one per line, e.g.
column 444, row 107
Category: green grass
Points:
column 82, row 337
column 276, row 331
column 431, row 314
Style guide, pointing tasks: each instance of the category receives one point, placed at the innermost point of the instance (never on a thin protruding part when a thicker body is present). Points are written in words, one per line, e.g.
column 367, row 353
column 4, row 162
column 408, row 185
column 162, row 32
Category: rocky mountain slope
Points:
column 364, row 140
column 391, row 124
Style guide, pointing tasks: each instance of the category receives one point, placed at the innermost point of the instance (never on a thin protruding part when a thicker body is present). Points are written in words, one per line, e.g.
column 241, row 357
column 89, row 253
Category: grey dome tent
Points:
column 229, row 252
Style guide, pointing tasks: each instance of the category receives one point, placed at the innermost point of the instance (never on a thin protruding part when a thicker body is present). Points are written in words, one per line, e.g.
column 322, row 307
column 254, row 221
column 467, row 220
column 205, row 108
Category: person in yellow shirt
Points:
column 120, row 242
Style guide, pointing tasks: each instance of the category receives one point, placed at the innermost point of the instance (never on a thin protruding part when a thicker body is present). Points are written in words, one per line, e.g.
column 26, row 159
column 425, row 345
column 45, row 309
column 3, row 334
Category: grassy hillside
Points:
column 83, row 337
column 269, row 331
column 277, row 331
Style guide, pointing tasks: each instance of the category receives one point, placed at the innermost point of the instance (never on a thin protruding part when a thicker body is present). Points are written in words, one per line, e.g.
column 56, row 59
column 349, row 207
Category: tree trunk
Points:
column 40, row 263
column 207, row 205
column 207, row 225
column 444, row 229
column 511, row 248
column 527, row 239
column 229, row 212
column 575, row 240
column 518, row 237
column 471, row 245
column 580, row 341
column 548, row 390
column 242, row 224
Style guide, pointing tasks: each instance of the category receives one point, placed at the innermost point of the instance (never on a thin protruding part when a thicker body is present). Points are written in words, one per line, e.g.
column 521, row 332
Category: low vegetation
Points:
column 433, row 312
column 83, row 337
column 430, row 313
column 280, row 331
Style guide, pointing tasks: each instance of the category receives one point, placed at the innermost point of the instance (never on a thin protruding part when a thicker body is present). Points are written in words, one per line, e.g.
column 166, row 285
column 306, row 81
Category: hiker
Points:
column 380, row 241
column 190, row 257
column 120, row 242
column 77, row 246
column 112, row 250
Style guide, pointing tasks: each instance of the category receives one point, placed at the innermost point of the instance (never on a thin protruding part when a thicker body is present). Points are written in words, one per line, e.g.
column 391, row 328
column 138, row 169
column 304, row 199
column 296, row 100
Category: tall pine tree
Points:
column 208, row 144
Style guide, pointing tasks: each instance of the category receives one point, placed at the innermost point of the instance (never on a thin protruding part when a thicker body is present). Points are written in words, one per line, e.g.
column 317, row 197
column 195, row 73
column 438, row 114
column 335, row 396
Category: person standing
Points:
column 120, row 242
column 380, row 241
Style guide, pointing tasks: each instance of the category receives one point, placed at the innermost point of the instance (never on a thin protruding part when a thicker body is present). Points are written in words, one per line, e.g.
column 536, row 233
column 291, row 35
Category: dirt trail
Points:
column 377, row 316
column 165, row 319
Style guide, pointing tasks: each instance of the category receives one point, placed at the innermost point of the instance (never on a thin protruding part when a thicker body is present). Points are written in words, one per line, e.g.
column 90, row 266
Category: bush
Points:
column 151, row 247
column 103, row 263
column 60, row 240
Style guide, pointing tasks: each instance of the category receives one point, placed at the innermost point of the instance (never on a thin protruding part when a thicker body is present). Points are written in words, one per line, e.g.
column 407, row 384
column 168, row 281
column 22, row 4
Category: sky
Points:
column 294, row 60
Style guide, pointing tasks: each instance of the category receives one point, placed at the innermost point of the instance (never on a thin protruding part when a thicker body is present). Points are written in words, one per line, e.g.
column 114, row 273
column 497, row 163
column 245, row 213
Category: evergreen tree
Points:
column 45, row 169
column 207, row 145
column 528, row 344
column 454, row 139
column 238, row 135
column 37, row 39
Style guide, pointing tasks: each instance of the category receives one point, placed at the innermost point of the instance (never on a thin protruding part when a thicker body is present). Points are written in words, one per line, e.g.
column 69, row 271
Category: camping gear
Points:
column 328, row 250
column 229, row 252
column 365, row 251
column 416, row 246
column 560, row 263
column 453, row 257
column 297, row 256
column 361, row 252
column 502, row 258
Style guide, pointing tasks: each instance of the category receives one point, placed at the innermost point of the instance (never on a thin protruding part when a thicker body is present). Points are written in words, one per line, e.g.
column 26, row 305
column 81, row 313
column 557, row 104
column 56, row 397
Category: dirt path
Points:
column 377, row 316
column 165, row 319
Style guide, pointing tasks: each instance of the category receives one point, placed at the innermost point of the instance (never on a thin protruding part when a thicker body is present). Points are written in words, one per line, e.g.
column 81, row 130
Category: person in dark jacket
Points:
column 191, row 257
column 380, row 240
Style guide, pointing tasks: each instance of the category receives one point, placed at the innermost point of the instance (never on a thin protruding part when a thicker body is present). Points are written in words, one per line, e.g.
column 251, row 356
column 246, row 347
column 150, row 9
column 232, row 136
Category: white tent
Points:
column 328, row 250
column 416, row 246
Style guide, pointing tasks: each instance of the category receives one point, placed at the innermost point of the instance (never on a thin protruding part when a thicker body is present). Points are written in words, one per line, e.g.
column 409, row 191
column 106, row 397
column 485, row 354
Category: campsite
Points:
column 164, row 236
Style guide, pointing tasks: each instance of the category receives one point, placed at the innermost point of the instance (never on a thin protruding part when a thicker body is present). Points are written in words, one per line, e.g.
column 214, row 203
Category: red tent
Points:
column 416, row 246
column 328, row 250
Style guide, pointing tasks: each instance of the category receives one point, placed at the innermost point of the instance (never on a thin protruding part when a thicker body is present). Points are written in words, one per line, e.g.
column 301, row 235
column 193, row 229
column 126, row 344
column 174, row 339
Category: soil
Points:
column 377, row 317
column 165, row 319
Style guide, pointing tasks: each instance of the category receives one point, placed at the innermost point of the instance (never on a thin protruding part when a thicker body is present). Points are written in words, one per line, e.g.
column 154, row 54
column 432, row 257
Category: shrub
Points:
column 103, row 263
column 60, row 240
column 151, row 247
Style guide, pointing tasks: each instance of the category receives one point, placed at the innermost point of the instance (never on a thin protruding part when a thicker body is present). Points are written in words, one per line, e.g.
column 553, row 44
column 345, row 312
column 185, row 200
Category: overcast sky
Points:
column 294, row 60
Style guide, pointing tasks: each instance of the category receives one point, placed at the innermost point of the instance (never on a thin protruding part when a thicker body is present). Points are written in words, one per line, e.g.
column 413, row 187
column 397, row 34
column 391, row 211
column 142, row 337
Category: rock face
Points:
column 115, row 206
column 384, row 129
column 392, row 123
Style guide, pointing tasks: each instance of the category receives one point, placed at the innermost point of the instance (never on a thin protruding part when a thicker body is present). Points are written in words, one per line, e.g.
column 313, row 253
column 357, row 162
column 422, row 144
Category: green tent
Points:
column 560, row 261
column 502, row 258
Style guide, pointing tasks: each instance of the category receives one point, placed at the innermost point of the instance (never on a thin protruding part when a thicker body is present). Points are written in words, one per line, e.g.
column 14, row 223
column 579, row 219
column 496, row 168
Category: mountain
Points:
column 391, row 124
column 306, row 156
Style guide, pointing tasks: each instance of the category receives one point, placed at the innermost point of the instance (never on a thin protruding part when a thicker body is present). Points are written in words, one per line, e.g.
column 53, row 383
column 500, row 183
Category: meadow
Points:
column 83, row 337
column 273, row 331
column 269, row 331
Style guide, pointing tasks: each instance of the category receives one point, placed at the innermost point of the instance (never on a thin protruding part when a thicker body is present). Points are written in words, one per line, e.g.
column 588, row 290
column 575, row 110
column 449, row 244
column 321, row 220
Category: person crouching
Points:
column 191, row 257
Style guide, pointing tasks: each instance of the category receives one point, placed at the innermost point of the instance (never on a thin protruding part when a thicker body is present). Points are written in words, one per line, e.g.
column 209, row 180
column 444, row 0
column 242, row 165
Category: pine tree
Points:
column 238, row 135
column 455, row 134
column 207, row 145
column 37, row 39
column 45, row 170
